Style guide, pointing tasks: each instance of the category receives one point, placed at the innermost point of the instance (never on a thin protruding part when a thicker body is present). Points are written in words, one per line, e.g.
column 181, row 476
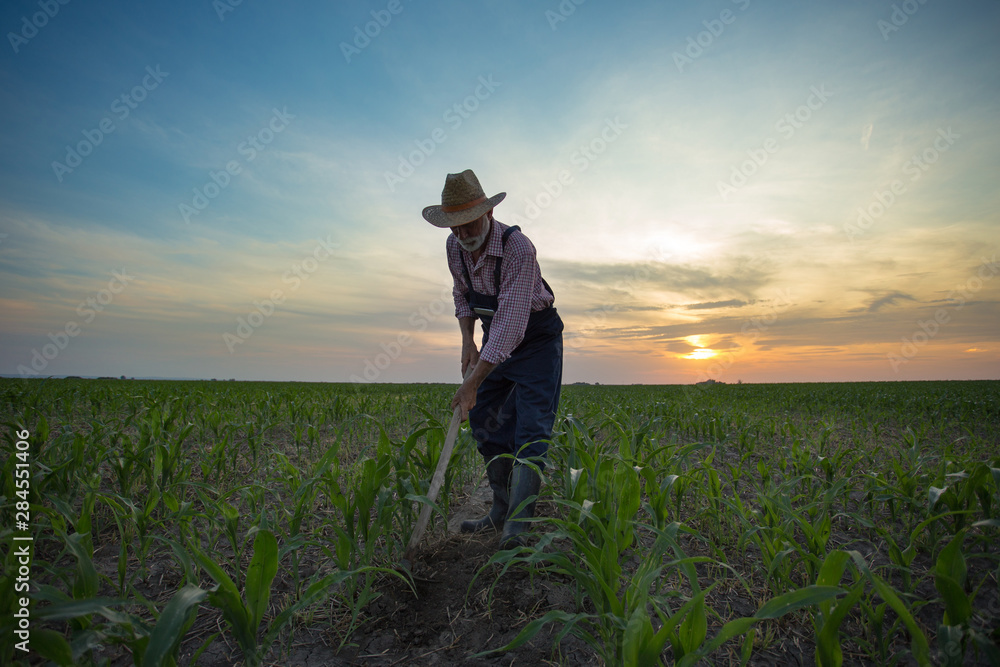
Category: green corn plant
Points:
column 657, row 496
column 686, row 629
column 121, row 517
column 231, row 527
column 133, row 521
column 984, row 483
column 244, row 617
column 85, row 579
column 736, row 471
column 174, row 622
column 951, row 499
column 620, row 630
column 830, row 614
column 82, row 609
column 413, row 466
column 367, row 512
column 771, row 530
column 602, row 532
column 764, row 473
column 918, row 640
column 817, row 534
column 964, row 491
column 641, row 644
column 782, row 605
column 958, row 629
column 876, row 634
column 85, row 628
column 123, row 462
column 712, row 491
column 303, row 499
column 150, row 646
column 680, row 487
column 901, row 558
column 575, row 485
column 815, row 523
column 215, row 464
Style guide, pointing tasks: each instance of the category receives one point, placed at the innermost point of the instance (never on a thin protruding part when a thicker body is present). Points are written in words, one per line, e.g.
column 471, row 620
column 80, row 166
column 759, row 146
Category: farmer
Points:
column 512, row 393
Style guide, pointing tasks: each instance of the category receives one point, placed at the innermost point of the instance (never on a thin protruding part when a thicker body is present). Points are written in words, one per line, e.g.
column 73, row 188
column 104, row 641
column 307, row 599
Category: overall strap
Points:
column 465, row 270
column 503, row 244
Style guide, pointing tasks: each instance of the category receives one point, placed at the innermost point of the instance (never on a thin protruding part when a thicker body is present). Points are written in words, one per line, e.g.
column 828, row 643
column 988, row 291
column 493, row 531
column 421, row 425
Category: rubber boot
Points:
column 498, row 473
column 524, row 484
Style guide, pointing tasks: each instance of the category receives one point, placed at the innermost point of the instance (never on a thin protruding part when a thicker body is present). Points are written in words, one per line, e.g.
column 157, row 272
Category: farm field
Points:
column 224, row 523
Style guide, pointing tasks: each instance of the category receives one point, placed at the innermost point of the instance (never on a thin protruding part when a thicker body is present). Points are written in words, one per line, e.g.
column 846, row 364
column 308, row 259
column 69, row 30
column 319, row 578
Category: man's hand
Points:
column 470, row 356
column 466, row 397
column 474, row 376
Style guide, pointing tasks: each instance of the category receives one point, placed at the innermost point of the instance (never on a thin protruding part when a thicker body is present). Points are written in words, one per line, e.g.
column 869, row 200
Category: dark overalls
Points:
column 516, row 404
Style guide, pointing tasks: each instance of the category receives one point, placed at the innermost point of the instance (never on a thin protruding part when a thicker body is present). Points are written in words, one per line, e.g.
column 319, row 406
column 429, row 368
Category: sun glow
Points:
column 701, row 353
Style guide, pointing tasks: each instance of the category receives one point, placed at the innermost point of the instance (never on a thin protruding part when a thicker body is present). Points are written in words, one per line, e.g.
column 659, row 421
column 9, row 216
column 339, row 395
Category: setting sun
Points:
column 701, row 353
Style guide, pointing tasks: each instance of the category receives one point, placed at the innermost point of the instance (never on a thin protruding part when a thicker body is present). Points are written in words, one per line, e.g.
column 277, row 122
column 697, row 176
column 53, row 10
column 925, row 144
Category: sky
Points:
column 786, row 191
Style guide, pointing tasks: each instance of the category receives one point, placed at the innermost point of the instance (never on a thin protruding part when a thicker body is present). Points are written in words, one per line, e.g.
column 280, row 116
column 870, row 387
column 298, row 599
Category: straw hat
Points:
column 462, row 200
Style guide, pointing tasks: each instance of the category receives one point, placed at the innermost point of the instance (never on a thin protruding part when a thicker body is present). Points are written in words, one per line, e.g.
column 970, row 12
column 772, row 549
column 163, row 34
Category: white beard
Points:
column 473, row 244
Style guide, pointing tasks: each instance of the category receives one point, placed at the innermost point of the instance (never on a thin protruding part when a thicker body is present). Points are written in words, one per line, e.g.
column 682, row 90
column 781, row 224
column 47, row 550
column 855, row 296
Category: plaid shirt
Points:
column 521, row 288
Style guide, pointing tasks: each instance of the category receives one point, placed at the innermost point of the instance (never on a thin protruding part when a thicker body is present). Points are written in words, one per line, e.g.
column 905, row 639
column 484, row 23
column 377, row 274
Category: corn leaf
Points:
column 172, row 625
column 957, row 608
column 828, row 651
column 52, row 646
column 568, row 620
column 64, row 611
column 263, row 568
column 795, row 600
column 637, row 637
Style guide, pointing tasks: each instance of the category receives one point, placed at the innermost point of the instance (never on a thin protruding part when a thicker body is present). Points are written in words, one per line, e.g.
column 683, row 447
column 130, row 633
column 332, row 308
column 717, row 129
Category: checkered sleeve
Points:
column 519, row 275
column 459, row 287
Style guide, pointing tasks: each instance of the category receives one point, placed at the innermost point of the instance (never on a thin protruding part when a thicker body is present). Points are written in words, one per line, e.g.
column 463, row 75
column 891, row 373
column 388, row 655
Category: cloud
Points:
column 711, row 305
column 626, row 279
column 891, row 299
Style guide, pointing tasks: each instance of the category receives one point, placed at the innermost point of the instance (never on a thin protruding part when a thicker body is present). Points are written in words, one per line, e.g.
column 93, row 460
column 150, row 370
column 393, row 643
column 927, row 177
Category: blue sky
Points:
column 781, row 191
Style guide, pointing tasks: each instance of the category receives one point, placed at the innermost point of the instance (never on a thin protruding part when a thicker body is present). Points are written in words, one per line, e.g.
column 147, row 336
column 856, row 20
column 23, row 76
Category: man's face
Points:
column 472, row 235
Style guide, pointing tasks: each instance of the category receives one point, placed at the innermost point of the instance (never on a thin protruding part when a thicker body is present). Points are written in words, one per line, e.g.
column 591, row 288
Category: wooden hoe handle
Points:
column 437, row 481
